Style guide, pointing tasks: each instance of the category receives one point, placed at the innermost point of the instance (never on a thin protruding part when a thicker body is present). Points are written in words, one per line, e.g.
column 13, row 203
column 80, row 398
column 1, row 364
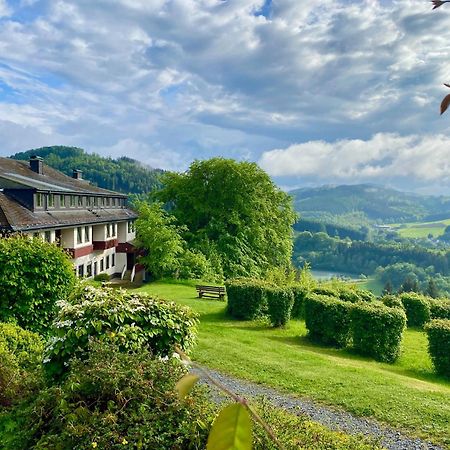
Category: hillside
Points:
column 371, row 203
column 123, row 174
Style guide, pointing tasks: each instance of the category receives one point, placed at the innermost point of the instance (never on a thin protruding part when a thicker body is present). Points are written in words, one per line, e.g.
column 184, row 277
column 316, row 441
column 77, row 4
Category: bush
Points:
column 133, row 321
column 101, row 277
column 392, row 301
column 438, row 331
column 328, row 320
column 439, row 308
column 300, row 293
column 193, row 265
column 279, row 305
column 112, row 400
column 34, row 275
column 417, row 309
column 246, row 298
column 20, row 361
column 377, row 330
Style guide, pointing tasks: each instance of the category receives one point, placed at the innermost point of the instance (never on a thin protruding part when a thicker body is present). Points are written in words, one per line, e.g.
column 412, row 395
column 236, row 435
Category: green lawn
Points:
column 421, row 229
column 406, row 395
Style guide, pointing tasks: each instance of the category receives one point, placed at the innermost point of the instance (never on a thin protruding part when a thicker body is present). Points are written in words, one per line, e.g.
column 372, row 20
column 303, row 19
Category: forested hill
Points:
column 124, row 174
column 374, row 203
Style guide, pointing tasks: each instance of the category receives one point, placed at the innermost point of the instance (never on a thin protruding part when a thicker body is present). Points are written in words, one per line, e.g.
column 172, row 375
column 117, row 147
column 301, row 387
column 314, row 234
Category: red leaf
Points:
column 445, row 103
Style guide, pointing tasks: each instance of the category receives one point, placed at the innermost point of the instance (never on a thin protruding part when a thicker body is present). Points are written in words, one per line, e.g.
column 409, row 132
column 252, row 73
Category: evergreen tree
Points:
column 432, row 290
column 388, row 288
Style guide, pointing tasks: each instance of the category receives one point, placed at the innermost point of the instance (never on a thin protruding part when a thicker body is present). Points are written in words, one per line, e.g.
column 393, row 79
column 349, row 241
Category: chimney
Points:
column 77, row 174
column 36, row 164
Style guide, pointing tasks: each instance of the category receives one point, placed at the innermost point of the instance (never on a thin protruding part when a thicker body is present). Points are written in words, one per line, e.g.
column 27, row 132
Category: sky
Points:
column 316, row 92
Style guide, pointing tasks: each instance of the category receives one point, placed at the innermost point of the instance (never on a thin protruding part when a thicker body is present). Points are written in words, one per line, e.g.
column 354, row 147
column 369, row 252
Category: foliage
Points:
column 328, row 320
column 279, row 305
column 246, row 298
column 112, row 400
column 438, row 331
column 34, row 275
column 417, row 309
column 101, row 277
column 123, row 174
column 392, row 301
column 298, row 432
column 158, row 234
column 300, row 292
column 439, row 308
column 193, row 265
column 377, row 330
column 20, row 360
column 234, row 209
column 131, row 320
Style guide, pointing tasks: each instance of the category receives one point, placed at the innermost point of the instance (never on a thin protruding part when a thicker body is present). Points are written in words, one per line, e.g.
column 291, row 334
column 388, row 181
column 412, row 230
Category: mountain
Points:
column 366, row 203
column 124, row 174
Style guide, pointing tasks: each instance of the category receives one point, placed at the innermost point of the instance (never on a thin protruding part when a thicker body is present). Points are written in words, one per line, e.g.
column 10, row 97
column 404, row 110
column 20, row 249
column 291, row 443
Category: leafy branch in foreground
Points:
column 232, row 428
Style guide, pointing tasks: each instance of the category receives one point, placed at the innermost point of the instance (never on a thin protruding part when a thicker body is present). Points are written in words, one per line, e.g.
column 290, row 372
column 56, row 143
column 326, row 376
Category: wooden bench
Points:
column 211, row 291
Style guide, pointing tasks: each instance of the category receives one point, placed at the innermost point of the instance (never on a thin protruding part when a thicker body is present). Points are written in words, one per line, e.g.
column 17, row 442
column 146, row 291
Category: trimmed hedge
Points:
column 439, row 308
column 392, row 301
column 130, row 320
column 417, row 309
column 328, row 320
column 246, row 298
column 377, row 330
column 300, row 293
column 279, row 305
column 438, row 331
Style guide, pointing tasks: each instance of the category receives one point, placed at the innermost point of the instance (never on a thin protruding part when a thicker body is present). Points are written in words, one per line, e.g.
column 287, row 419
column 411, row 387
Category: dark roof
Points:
column 15, row 217
column 17, row 174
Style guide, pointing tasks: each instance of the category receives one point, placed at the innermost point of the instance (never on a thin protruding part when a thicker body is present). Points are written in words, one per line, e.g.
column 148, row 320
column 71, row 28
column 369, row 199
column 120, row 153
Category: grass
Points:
column 406, row 395
column 416, row 230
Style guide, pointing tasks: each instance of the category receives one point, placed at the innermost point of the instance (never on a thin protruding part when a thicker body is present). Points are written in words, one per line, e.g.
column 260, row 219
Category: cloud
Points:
column 382, row 158
column 191, row 79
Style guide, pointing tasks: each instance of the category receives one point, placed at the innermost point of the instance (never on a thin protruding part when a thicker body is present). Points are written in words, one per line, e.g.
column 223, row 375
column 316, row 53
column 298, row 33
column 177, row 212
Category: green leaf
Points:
column 185, row 385
column 232, row 429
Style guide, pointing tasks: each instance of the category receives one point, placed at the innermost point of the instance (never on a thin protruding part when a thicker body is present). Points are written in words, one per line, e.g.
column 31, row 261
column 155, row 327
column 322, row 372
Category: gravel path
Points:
column 327, row 416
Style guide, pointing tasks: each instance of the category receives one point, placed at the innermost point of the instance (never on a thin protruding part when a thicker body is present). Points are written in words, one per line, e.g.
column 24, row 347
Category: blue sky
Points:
column 315, row 92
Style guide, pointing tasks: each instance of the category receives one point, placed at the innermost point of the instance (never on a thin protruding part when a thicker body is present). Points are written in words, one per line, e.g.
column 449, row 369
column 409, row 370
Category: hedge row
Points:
column 438, row 331
column 374, row 329
column 420, row 309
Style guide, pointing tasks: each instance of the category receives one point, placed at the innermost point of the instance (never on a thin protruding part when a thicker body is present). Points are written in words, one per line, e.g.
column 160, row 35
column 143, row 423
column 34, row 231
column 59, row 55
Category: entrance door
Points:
column 130, row 261
column 95, row 268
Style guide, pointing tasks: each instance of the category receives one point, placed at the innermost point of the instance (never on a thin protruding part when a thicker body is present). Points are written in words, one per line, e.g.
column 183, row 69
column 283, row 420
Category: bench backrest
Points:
column 210, row 288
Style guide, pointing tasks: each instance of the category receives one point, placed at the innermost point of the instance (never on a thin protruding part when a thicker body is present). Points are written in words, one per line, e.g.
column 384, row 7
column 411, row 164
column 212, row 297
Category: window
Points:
column 107, row 262
column 87, row 237
column 81, row 271
column 62, row 201
column 95, row 268
column 51, row 201
column 48, row 236
column 39, row 200
column 103, row 201
column 72, row 201
column 89, row 270
column 131, row 226
column 80, row 200
column 79, row 235
column 102, row 266
column 95, row 201
column 107, row 201
column 113, row 260
column 113, row 226
column 36, row 235
column 108, row 230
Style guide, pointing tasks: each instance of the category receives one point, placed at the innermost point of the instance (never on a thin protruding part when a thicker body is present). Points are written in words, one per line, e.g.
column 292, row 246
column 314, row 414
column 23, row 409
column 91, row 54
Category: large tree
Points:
column 234, row 211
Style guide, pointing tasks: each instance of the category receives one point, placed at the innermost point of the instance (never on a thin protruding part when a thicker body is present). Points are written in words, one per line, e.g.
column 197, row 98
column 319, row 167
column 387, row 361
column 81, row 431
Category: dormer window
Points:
column 72, row 201
column 51, row 200
column 107, row 201
column 80, row 200
column 39, row 200
column 62, row 201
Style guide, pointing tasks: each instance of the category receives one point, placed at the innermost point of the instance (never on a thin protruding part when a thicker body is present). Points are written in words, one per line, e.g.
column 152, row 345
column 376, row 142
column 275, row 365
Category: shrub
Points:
column 392, row 301
column 246, row 298
column 416, row 307
column 133, row 320
column 20, row 360
column 439, row 308
column 377, row 330
column 34, row 275
column 193, row 265
column 279, row 305
column 300, row 293
column 354, row 295
column 328, row 320
column 438, row 331
column 112, row 400
column 101, row 277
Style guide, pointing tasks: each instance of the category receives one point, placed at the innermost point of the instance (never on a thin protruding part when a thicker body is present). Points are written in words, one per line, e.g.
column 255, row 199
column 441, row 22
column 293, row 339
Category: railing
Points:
column 124, row 271
column 133, row 273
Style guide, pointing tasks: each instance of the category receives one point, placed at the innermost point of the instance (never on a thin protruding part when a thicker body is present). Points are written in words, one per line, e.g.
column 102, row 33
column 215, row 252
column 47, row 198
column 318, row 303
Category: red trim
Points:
column 104, row 245
column 139, row 267
column 82, row 251
column 125, row 247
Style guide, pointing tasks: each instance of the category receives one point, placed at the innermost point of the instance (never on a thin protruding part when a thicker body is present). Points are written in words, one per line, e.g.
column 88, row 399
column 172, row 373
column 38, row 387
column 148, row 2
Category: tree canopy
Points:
column 234, row 211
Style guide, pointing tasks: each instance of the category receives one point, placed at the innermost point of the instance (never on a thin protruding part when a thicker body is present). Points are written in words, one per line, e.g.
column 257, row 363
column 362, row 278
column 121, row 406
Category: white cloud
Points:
column 5, row 10
column 384, row 157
